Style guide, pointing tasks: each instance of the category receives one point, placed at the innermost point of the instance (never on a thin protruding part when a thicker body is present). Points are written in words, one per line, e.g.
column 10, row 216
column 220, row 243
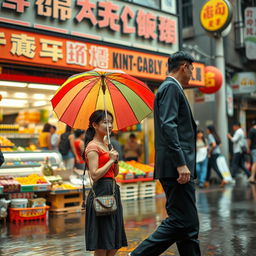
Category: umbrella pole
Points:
column 105, row 109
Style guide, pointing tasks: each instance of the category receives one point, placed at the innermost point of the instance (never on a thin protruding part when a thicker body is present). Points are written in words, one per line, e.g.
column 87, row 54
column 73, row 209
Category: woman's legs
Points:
column 111, row 252
column 204, row 171
column 100, row 253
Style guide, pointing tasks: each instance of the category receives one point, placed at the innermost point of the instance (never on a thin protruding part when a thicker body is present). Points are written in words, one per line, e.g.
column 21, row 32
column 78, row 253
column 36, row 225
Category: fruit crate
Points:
column 27, row 214
column 147, row 189
column 65, row 202
column 129, row 191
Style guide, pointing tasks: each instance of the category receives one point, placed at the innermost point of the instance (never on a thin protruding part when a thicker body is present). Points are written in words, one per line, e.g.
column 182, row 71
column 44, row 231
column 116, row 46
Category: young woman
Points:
column 201, row 158
column 104, row 234
column 213, row 153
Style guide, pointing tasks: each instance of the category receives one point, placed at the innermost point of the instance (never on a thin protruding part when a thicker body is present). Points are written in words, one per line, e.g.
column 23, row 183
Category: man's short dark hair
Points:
column 178, row 58
column 237, row 123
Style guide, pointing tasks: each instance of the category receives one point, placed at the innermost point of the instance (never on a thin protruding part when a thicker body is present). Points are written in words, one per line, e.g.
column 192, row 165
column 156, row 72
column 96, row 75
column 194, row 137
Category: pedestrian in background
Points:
column 239, row 149
column 44, row 139
column 252, row 150
column 104, row 234
column 1, row 158
column 201, row 158
column 54, row 138
column 132, row 149
column 175, row 161
column 67, row 148
column 213, row 153
column 79, row 147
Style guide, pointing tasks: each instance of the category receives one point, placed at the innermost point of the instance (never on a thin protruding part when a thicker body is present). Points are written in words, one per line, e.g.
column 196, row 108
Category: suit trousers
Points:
column 180, row 227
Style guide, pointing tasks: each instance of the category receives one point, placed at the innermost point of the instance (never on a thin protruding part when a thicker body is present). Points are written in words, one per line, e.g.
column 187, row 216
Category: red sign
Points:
column 213, row 80
column 30, row 48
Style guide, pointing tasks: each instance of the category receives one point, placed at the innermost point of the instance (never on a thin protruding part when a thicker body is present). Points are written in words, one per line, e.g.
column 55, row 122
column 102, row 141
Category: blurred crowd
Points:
column 209, row 156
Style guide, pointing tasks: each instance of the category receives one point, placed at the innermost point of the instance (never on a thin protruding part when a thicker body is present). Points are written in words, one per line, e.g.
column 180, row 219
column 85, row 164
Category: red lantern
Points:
column 213, row 80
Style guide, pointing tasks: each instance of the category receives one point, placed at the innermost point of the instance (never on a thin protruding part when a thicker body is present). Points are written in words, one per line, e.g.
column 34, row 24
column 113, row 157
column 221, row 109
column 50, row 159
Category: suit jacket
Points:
column 175, row 131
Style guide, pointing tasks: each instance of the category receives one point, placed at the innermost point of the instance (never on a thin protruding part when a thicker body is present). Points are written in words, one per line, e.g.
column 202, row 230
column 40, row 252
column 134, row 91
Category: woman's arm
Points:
column 96, row 172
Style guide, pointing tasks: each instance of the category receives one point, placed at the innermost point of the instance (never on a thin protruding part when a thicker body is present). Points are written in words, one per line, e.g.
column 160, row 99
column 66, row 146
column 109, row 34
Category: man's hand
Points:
column 184, row 174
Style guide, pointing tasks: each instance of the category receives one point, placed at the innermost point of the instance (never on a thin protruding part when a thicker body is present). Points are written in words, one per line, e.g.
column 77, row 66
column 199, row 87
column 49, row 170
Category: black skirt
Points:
column 104, row 232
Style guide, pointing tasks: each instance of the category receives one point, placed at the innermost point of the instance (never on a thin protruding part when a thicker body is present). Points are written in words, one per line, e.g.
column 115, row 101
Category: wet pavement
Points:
column 227, row 220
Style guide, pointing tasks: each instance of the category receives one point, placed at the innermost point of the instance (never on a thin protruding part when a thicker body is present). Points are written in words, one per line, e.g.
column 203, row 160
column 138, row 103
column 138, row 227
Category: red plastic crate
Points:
column 25, row 214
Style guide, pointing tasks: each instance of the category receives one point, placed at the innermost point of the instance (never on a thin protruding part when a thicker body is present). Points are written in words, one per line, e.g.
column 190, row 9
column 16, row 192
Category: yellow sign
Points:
column 215, row 15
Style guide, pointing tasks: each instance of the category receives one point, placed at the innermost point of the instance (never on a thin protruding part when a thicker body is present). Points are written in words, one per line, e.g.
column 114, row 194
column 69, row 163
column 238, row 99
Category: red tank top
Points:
column 103, row 158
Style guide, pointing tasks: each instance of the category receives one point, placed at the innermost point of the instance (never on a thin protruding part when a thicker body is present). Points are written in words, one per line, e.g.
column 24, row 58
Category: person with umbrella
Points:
column 104, row 234
column 79, row 103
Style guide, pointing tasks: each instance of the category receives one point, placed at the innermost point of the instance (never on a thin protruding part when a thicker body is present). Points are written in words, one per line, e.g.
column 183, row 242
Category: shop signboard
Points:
column 230, row 101
column 244, row 82
column 36, row 49
column 250, row 32
column 117, row 22
column 215, row 15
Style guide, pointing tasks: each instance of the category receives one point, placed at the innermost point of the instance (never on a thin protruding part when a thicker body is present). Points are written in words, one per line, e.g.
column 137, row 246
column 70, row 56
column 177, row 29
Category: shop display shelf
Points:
column 26, row 214
column 36, row 187
column 63, row 191
column 135, row 180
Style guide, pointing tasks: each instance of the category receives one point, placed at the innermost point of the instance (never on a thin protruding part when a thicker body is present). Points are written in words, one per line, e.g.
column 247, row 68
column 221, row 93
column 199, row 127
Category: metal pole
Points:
column 222, row 121
column 103, row 86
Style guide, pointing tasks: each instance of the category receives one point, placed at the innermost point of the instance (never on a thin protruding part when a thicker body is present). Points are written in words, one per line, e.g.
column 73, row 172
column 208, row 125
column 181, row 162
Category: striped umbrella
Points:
column 127, row 98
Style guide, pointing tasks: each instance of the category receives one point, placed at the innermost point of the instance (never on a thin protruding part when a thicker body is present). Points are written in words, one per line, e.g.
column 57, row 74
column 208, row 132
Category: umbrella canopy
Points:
column 127, row 98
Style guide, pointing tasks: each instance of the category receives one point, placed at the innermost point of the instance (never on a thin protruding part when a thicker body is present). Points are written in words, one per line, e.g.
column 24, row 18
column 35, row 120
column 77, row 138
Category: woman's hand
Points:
column 113, row 154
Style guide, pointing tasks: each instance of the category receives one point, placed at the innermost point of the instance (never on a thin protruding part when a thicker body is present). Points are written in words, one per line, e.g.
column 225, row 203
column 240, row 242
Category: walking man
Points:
column 239, row 142
column 175, row 161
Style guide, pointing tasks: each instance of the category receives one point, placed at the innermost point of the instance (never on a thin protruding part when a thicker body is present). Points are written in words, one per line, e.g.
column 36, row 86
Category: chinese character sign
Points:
column 250, row 32
column 110, row 21
column 215, row 15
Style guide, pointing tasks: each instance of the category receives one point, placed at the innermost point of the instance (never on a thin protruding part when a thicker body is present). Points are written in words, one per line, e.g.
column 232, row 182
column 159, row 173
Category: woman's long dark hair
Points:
column 96, row 117
column 212, row 130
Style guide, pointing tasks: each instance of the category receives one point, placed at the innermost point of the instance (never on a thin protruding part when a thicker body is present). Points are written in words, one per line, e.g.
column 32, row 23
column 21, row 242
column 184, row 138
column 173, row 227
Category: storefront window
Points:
column 187, row 13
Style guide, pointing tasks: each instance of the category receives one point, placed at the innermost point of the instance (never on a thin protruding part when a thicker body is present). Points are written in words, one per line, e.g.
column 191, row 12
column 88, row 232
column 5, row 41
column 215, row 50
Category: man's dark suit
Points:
column 175, row 145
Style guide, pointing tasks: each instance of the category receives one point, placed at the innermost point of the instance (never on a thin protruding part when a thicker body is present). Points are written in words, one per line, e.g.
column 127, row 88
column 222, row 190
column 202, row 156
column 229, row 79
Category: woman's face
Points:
column 208, row 131
column 101, row 127
column 200, row 135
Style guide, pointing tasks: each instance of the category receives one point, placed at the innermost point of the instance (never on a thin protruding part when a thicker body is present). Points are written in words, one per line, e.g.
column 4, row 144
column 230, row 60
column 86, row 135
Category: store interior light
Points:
column 38, row 96
column 43, row 86
column 40, row 103
column 12, row 84
column 13, row 103
column 3, row 93
column 20, row 95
